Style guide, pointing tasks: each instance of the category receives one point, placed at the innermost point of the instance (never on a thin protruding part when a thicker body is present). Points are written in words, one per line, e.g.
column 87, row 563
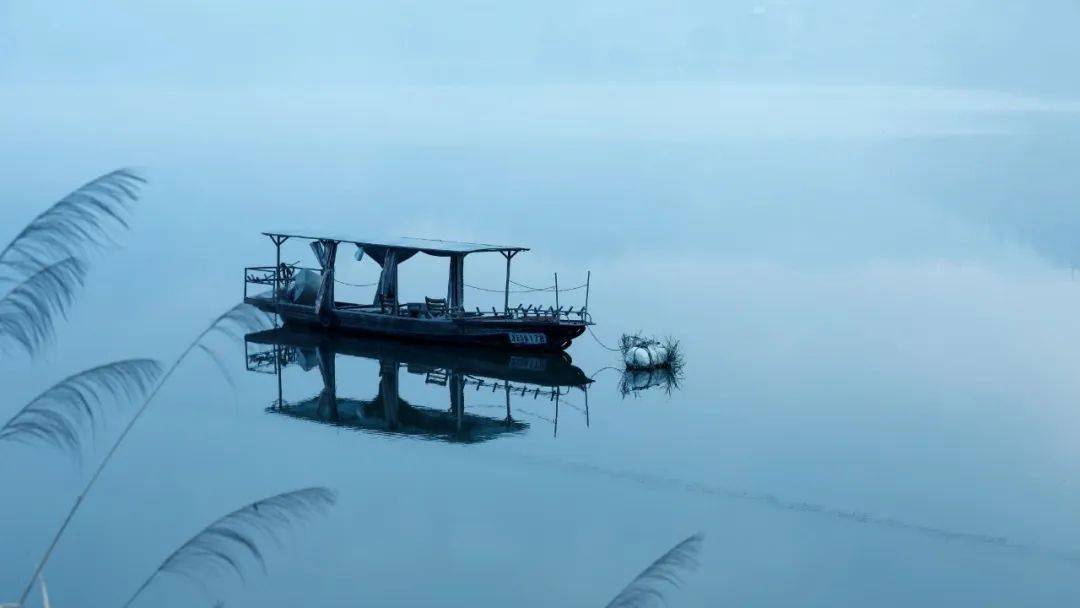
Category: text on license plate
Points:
column 527, row 338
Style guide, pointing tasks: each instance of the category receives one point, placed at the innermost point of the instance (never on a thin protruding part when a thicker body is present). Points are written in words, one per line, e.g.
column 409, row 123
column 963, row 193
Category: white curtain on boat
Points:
column 326, row 253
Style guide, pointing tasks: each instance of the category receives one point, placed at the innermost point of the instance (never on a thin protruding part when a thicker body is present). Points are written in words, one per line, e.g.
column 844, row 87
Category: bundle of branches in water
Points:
column 641, row 352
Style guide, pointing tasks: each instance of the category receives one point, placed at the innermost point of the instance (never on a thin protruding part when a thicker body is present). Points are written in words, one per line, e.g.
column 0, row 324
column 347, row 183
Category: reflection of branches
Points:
column 634, row 381
column 63, row 413
column 223, row 546
column 647, row 589
column 233, row 322
column 46, row 259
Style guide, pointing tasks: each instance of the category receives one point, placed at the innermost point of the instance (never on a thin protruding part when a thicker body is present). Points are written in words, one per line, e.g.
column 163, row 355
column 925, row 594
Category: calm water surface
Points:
column 880, row 405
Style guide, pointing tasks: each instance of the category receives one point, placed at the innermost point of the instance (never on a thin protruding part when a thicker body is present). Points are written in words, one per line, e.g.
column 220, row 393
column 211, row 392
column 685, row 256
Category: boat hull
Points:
column 548, row 369
column 544, row 335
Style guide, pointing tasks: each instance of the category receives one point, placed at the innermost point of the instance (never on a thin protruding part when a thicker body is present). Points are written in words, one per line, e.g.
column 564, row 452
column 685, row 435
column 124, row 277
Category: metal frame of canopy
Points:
column 389, row 254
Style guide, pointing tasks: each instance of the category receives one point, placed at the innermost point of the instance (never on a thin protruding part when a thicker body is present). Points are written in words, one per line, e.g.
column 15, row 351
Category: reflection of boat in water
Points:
column 539, row 374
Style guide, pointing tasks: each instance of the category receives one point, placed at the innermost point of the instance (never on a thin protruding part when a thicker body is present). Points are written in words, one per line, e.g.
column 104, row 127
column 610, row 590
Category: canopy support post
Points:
column 455, row 293
column 585, row 310
column 277, row 240
column 509, row 255
column 558, row 309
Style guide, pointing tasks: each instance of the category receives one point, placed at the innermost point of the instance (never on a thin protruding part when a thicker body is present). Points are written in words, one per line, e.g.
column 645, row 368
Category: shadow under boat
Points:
column 509, row 374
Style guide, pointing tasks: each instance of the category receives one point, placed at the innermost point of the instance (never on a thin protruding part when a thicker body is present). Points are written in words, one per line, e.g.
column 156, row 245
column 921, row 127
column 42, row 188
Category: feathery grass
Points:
column 226, row 544
column 648, row 588
column 234, row 322
column 28, row 311
column 46, row 262
column 68, row 411
column 84, row 219
column 232, row 326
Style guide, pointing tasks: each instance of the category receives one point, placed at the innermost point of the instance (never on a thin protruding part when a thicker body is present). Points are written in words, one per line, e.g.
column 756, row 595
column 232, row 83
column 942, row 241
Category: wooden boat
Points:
column 488, row 373
column 305, row 296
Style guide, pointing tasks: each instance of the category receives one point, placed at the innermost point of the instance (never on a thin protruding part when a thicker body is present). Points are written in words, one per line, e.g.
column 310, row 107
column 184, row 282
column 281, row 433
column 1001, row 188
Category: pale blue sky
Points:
column 1016, row 46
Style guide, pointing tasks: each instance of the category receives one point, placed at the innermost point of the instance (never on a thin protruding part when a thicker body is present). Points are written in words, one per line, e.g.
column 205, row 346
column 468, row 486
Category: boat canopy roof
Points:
column 409, row 244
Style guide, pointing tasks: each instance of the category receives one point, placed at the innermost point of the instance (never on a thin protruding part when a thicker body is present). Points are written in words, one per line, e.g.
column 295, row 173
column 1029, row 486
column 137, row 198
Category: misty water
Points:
column 872, row 284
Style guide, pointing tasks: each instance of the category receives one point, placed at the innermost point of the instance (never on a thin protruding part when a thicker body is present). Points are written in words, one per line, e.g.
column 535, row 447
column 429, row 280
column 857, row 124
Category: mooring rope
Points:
column 614, row 350
column 604, row 369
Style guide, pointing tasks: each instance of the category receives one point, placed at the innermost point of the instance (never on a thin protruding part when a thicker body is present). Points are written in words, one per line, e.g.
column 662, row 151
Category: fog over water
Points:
column 859, row 219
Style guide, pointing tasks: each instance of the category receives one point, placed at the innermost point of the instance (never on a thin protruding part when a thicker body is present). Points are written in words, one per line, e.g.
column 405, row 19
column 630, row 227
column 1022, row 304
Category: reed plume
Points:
column 29, row 310
column 232, row 326
column 648, row 588
column 234, row 322
column 69, row 410
column 225, row 545
column 84, row 219
column 46, row 262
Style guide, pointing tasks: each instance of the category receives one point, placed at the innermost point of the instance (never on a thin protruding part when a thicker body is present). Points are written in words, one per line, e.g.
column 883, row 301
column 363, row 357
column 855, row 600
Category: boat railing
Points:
column 259, row 275
column 533, row 313
column 269, row 275
column 282, row 277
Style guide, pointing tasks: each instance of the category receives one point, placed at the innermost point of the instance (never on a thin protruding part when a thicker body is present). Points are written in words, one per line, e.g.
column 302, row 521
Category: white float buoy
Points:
column 640, row 353
column 645, row 356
